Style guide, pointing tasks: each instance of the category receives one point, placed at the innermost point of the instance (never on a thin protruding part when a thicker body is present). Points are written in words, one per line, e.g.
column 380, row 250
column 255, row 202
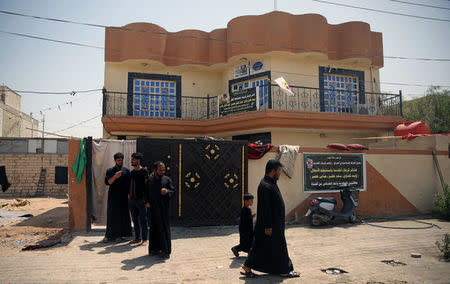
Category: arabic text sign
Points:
column 240, row 101
column 326, row 172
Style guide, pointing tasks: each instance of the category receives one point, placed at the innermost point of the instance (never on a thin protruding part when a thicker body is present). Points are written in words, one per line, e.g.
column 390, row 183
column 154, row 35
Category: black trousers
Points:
column 4, row 179
column 139, row 216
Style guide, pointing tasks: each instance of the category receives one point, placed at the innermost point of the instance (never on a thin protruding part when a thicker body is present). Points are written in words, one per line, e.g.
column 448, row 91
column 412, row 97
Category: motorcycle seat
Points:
column 327, row 199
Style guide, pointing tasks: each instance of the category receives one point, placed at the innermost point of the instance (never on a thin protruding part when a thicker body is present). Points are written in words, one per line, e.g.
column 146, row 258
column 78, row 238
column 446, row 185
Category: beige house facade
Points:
column 170, row 85
column 13, row 122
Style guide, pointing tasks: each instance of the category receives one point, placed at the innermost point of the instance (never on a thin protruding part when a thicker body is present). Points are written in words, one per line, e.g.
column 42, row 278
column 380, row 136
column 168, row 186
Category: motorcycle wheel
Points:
column 352, row 218
column 314, row 220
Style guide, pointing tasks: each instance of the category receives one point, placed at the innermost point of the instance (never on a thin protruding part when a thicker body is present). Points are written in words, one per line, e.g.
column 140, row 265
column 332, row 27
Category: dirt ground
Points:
column 50, row 221
column 369, row 254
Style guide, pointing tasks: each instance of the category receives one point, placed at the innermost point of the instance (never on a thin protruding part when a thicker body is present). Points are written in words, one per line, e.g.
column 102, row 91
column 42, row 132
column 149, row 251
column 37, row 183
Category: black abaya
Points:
column 269, row 253
column 160, row 238
column 118, row 222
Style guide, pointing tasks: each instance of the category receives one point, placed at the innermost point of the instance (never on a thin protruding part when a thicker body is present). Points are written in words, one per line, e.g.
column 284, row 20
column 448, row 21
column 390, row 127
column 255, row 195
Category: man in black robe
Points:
column 160, row 189
column 118, row 224
column 269, row 250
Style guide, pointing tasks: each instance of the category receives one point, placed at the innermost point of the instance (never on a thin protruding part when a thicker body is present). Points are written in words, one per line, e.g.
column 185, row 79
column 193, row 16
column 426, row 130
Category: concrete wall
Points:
column 77, row 191
column 399, row 181
column 199, row 81
column 1, row 119
column 23, row 171
column 12, row 99
column 195, row 81
column 13, row 122
column 321, row 138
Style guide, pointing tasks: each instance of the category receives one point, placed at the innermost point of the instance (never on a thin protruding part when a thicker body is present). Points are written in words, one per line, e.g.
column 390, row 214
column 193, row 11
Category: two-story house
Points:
column 173, row 84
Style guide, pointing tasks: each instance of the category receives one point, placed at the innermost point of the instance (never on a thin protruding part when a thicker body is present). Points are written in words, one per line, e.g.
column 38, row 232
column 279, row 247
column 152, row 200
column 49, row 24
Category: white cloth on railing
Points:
column 287, row 155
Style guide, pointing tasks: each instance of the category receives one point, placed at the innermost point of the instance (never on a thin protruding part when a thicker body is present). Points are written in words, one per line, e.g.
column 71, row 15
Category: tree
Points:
column 433, row 108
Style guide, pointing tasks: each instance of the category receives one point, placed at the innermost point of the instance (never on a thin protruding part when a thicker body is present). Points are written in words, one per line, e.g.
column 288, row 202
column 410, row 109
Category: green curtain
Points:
column 81, row 161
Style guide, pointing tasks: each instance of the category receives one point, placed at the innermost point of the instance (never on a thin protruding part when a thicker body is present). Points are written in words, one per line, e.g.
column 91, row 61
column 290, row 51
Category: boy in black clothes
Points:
column 245, row 227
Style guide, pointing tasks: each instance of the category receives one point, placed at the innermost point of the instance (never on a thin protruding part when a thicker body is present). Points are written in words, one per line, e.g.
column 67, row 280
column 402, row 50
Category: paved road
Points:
column 202, row 255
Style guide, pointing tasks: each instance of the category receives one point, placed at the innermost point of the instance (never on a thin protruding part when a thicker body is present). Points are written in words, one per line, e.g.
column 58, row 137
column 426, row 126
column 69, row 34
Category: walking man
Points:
column 159, row 193
column 139, row 179
column 118, row 223
column 269, row 250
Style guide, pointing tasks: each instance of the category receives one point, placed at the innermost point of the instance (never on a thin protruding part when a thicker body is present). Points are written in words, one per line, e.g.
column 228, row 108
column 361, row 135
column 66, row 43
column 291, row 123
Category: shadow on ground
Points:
column 54, row 218
column 140, row 263
column 202, row 232
column 110, row 247
column 263, row 278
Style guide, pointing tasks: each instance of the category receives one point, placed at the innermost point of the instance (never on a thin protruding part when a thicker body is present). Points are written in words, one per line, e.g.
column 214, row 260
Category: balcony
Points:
column 306, row 109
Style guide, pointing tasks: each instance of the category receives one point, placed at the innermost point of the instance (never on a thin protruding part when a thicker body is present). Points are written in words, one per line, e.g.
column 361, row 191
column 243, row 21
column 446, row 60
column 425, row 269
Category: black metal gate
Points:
column 210, row 177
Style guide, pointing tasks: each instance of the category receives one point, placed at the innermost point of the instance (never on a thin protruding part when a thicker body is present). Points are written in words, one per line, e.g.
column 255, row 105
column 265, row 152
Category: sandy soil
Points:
column 50, row 221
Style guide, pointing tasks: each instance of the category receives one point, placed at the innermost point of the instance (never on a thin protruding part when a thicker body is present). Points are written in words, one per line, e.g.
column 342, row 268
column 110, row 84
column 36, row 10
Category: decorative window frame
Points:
column 147, row 76
column 337, row 71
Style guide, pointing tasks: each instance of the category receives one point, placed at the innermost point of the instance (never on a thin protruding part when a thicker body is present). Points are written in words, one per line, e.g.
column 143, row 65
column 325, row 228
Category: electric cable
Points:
column 56, row 93
column 78, row 123
column 382, row 11
column 194, row 37
column 190, row 60
column 422, row 5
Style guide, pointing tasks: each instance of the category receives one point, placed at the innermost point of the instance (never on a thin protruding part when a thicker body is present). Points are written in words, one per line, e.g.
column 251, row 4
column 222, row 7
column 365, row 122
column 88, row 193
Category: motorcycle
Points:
column 322, row 209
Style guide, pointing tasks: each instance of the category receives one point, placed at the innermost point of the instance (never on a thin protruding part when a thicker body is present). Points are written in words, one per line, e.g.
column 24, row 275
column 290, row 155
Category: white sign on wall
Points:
column 255, row 67
column 241, row 70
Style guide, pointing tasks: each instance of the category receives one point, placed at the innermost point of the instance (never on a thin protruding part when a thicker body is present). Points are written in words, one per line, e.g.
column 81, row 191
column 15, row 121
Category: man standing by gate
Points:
column 118, row 223
column 139, row 179
column 160, row 189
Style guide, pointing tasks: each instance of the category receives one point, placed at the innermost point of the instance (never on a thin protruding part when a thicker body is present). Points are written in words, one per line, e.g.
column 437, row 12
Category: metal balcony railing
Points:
column 304, row 99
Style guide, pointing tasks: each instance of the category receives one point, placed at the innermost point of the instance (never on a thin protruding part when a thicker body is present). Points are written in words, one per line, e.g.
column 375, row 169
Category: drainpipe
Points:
column 207, row 107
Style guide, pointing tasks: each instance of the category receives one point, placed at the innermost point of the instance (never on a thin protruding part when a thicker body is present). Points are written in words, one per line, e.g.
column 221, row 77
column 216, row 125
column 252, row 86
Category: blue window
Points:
column 154, row 102
column 337, row 95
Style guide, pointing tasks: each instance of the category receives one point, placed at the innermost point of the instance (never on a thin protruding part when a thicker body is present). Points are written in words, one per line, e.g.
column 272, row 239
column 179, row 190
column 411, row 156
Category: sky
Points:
column 36, row 65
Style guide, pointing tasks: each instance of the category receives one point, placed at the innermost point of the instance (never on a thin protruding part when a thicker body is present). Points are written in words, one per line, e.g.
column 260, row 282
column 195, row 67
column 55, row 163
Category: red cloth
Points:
column 411, row 136
column 357, row 147
column 337, row 146
column 257, row 151
column 413, row 127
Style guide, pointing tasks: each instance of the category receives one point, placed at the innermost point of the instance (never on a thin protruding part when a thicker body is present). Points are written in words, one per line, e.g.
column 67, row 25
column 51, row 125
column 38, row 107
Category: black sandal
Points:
column 235, row 252
column 248, row 274
column 292, row 274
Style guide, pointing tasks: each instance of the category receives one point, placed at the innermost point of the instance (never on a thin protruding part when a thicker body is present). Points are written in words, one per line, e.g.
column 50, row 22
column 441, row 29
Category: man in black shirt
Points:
column 158, row 200
column 139, row 179
column 118, row 224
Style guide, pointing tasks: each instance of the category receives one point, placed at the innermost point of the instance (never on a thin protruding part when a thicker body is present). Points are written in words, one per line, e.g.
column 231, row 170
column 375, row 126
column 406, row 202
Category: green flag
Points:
column 80, row 162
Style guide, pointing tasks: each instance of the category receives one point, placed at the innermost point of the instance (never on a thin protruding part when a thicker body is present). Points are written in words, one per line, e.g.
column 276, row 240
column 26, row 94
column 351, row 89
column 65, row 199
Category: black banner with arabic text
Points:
column 240, row 101
column 327, row 172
